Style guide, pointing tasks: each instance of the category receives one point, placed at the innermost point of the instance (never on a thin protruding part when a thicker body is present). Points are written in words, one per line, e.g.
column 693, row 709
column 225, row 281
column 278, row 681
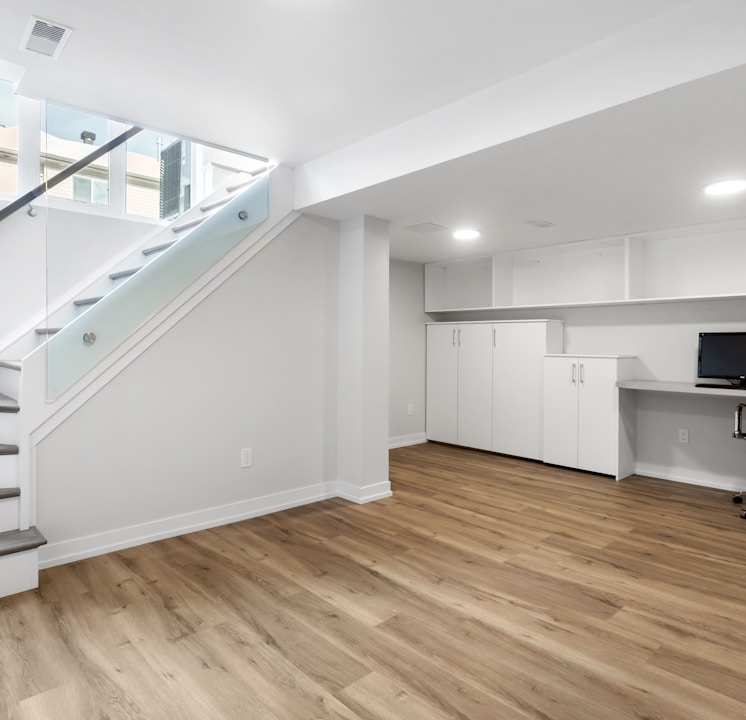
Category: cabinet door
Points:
column 561, row 411
column 597, row 415
column 442, row 377
column 475, row 385
column 517, row 379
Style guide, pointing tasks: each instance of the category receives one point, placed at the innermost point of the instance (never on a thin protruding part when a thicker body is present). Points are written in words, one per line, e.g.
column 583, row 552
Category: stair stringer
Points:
column 40, row 416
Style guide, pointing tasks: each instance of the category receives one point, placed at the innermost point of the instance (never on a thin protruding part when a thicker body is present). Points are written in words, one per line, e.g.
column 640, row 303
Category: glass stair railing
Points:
column 82, row 344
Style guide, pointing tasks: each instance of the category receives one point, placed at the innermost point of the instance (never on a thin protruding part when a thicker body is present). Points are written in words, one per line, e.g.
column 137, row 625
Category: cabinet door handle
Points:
column 459, row 337
column 494, row 337
column 582, row 374
column 574, row 373
column 453, row 339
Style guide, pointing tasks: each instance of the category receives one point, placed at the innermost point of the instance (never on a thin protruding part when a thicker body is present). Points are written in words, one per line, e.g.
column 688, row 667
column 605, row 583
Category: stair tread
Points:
column 8, row 449
column 188, row 224
column 88, row 300
column 240, row 185
column 158, row 248
column 15, row 541
column 123, row 273
column 9, row 492
column 215, row 204
column 11, row 364
column 8, row 404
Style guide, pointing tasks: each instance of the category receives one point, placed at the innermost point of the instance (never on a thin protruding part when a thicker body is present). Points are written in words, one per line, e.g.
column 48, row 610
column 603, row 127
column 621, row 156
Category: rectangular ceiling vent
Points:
column 45, row 37
column 425, row 227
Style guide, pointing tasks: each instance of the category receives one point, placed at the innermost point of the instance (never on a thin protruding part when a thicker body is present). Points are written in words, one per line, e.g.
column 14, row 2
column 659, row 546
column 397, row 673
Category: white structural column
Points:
column 363, row 355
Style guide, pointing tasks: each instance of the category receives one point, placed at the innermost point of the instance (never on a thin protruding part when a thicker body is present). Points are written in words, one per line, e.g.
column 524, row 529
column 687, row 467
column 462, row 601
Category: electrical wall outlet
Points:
column 683, row 435
column 246, row 459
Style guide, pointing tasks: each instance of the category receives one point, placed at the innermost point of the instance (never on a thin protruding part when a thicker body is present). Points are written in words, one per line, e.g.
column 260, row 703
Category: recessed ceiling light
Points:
column 466, row 234
column 726, row 187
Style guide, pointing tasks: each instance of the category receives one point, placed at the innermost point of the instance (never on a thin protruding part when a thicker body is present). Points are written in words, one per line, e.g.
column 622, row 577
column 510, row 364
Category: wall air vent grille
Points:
column 45, row 37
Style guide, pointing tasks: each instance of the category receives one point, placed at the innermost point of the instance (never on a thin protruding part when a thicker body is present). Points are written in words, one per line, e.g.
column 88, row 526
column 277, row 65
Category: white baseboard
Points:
column 19, row 572
column 365, row 494
column 404, row 440
column 58, row 553
column 703, row 479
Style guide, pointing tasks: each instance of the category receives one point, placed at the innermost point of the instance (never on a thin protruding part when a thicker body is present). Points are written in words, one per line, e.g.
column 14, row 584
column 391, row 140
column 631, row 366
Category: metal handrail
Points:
column 61, row 176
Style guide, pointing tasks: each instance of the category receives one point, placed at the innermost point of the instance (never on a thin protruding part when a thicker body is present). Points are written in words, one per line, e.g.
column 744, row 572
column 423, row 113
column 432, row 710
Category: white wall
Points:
column 51, row 253
column 156, row 451
column 407, row 352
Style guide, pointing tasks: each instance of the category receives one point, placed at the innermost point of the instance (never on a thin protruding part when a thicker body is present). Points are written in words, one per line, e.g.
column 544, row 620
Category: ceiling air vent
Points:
column 540, row 223
column 45, row 37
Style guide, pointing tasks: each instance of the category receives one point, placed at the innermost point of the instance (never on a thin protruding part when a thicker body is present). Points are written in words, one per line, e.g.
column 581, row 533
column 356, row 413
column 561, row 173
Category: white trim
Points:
column 697, row 478
column 405, row 440
column 19, row 572
column 65, row 551
column 366, row 494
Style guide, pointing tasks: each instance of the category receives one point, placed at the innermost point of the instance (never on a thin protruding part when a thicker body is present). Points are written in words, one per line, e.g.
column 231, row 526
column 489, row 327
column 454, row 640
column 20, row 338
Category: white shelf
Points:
column 601, row 303
column 680, row 388
column 673, row 266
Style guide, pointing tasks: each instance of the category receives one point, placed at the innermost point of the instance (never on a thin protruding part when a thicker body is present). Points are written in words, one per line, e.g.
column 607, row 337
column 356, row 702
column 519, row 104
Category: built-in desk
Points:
column 679, row 387
column 714, row 464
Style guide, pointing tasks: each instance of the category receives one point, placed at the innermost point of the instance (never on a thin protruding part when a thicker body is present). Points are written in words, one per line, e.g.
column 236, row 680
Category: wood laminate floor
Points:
column 487, row 588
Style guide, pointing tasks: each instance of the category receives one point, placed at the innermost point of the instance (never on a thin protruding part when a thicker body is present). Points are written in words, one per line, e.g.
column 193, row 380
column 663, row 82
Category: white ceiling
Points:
column 296, row 80
column 633, row 168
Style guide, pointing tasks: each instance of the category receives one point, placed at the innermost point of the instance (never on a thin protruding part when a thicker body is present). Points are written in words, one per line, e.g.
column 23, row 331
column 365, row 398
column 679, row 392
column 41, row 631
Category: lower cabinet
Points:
column 484, row 383
column 582, row 426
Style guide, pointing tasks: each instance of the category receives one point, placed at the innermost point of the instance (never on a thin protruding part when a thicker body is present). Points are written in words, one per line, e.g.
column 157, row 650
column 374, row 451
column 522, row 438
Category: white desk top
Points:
column 678, row 387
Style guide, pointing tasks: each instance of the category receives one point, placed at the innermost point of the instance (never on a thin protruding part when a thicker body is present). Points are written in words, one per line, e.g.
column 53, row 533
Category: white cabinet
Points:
column 582, row 426
column 484, row 383
column 459, row 384
column 518, row 350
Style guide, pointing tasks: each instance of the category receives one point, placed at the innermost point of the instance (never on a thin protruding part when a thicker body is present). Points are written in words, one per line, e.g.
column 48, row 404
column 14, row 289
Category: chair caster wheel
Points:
column 737, row 499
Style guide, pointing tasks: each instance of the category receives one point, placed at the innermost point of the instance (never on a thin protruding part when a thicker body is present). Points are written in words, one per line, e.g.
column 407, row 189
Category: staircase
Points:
column 19, row 539
column 19, row 543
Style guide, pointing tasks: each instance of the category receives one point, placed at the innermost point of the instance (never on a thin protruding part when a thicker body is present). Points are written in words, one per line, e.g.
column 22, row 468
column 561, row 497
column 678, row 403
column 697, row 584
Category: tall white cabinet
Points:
column 484, row 383
column 518, row 350
column 582, row 417
column 459, row 384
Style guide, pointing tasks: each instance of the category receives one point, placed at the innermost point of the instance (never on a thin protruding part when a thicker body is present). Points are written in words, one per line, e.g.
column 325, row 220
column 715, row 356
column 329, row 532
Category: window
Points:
column 90, row 190
column 69, row 136
column 8, row 139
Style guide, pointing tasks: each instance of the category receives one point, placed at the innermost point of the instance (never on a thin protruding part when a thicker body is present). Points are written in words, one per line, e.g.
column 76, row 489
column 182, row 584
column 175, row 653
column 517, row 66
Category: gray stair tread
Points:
column 158, row 248
column 15, row 541
column 11, row 364
column 215, row 204
column 8, row 449
column 87, row 301
column 123, row 273
column 188, row 224
column 7, row 404
column 6, row 493
column 239, row 186
column 47, row 331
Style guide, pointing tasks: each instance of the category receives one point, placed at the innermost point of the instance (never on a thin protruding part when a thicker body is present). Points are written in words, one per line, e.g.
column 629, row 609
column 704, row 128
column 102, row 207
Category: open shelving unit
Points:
column 678, row 265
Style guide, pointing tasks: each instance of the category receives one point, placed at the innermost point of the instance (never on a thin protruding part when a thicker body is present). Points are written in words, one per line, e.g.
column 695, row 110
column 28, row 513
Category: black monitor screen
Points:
column 722, row 355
